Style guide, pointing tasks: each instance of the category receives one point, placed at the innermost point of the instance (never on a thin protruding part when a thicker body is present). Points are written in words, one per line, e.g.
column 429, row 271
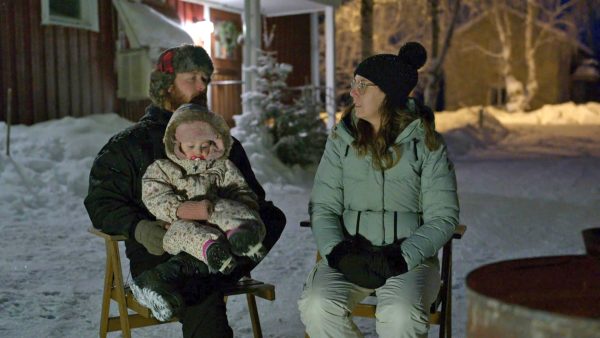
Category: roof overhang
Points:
column 272, row 8
column 146, row 27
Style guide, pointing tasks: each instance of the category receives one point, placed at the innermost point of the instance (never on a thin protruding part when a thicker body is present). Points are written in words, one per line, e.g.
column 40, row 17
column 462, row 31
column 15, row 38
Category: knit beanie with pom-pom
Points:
column 395, row 75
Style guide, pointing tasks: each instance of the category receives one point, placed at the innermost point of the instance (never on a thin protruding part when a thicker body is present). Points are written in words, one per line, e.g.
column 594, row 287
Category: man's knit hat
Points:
column 181, row 59
column 395, row 75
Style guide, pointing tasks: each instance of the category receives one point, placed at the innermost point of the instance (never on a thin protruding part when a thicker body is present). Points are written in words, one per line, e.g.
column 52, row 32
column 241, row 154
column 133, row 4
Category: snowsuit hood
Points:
column 192, row 113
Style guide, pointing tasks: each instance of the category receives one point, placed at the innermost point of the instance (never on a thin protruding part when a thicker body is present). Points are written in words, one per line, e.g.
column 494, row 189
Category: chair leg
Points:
column 119, row 289
column 443, row 316
column 256, row 329
column 449, row 316
column 108, row 278
column 446, row 313
column 445, row 320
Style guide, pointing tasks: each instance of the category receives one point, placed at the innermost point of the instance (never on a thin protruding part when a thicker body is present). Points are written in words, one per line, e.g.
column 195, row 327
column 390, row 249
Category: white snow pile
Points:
column 480, row 127
column 557, row 114
column 469, row 128
column 47, row 158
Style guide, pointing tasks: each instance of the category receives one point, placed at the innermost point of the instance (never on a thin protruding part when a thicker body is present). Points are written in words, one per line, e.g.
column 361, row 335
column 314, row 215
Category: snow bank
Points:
column 557, row 114
column 480, row 127
column 469, row 128
column 46, row 158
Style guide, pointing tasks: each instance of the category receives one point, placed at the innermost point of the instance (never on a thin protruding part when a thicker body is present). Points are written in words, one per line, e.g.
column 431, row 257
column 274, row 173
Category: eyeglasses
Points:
column 360, row 86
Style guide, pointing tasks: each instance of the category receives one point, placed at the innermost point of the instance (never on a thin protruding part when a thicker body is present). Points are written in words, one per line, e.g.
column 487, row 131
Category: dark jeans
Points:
column 205, row 314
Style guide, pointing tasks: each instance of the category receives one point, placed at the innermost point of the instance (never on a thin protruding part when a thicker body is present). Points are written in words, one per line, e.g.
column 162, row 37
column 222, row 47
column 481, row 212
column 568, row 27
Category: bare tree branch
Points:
column 470, row 45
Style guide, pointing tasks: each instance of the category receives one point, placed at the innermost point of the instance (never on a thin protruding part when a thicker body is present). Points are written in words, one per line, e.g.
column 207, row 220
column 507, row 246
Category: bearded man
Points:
column 114, row 201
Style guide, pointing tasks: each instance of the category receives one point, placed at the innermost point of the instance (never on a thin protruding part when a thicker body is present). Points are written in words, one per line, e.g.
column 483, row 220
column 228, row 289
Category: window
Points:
column 497, row 96
column 71, row 13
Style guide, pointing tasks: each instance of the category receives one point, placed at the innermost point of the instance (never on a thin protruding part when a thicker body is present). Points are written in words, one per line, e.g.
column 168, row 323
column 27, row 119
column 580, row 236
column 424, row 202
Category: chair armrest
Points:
column 106, row 236
column 459, row 231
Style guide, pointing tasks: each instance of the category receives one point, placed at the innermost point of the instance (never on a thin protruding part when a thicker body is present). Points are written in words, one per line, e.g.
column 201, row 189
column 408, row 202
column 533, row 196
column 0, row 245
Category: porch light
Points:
column 200, row 31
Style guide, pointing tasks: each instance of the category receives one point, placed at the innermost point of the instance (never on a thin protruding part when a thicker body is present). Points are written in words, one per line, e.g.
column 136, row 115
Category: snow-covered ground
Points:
column 526, row 189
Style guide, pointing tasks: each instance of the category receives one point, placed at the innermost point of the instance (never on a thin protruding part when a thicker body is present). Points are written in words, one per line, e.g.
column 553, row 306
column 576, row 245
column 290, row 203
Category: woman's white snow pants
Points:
column 402, row 303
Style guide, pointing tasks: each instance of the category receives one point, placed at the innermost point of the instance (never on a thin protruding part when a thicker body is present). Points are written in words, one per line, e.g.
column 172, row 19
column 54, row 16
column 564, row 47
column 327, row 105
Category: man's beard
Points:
column 178, row 98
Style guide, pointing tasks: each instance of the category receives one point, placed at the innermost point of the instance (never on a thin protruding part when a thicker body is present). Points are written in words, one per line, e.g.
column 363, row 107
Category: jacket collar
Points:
column 156, row 114
column 413, row 130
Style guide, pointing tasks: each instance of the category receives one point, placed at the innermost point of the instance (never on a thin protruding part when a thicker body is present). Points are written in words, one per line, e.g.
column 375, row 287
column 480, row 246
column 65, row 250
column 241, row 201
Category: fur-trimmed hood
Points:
column 190, row 113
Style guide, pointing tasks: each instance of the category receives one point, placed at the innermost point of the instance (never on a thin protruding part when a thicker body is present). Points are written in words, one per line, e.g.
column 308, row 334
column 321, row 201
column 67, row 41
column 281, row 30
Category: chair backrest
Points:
column 441, row 309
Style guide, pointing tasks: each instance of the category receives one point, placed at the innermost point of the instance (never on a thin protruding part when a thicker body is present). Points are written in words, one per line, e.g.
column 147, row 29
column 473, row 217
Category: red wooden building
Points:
column 57, row 70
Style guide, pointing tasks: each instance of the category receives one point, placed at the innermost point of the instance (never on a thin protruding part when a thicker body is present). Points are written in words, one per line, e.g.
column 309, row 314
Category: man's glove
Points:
column 195, row 210
column 150, row 234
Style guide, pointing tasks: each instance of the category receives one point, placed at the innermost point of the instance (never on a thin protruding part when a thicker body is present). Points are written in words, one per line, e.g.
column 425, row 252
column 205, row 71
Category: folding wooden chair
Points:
column 115, row 289
column 440, row 312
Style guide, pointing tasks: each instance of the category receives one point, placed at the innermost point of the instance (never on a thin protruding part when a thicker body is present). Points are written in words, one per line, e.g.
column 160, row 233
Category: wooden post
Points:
column 8, row 120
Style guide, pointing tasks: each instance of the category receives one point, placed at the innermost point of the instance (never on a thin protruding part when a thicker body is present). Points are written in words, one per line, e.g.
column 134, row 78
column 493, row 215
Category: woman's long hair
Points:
column 393, row 121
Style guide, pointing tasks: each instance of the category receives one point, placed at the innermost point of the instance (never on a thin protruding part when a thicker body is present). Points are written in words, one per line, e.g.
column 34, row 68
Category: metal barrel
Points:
column 543, row 297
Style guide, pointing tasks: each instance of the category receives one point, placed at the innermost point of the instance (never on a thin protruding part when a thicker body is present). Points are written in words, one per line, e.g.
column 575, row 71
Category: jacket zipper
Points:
column 383, row 204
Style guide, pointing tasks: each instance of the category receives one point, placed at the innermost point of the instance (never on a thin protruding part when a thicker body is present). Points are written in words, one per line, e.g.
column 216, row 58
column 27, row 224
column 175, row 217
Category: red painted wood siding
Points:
column 187, row 11
column 55, row 71
column 292, row 43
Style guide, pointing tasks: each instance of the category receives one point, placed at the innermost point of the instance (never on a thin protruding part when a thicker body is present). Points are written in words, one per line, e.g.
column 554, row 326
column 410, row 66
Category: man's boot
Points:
column 158, row 288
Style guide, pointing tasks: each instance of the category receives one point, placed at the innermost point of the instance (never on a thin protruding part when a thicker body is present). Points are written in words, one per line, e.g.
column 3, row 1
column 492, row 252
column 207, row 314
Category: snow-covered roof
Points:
column 587, row 70
column 272, row 8
column 146, row 27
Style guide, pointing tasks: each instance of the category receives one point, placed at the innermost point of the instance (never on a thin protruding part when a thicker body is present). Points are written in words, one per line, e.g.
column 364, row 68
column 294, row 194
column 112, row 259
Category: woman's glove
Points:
column 340, row 251
column 393, row 256
column 195, row 210
column 366, row 265
column 359, row 269
column 150, row 234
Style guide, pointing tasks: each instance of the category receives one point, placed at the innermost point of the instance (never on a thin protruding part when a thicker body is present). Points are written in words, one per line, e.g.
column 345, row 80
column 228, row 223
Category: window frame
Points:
column 89, row 16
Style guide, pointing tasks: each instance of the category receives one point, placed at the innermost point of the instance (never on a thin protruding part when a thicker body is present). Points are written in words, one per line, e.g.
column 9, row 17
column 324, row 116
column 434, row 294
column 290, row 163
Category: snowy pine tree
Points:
column 300, row 133
column 275, row 132
column 261, row 109
column 264, row 105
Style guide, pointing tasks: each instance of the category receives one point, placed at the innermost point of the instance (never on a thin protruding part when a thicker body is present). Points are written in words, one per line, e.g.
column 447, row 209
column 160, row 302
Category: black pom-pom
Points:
column 414, row 54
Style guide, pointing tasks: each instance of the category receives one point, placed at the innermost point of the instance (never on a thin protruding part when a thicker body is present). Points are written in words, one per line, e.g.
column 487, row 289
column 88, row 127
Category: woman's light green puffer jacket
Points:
column 418, row 194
